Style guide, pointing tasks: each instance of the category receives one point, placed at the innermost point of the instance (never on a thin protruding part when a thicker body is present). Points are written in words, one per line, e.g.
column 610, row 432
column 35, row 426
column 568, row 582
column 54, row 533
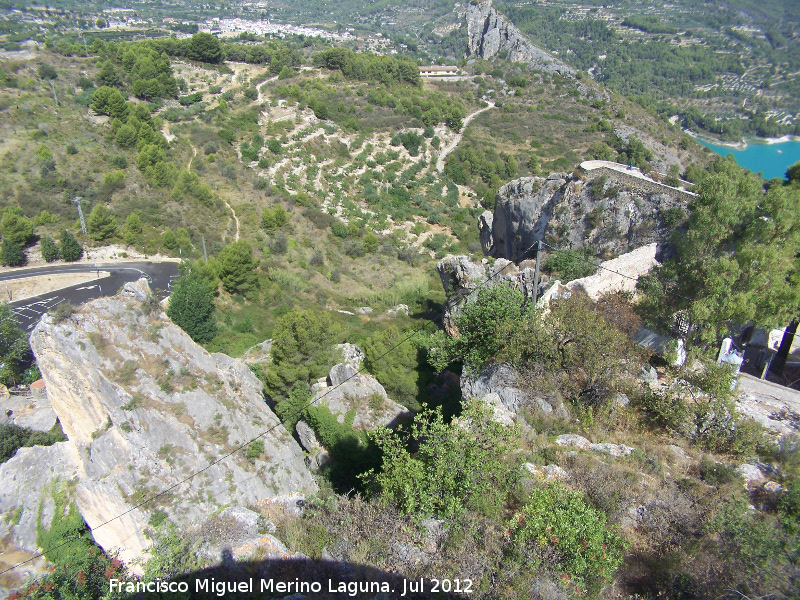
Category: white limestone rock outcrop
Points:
column 578, row 441
column 497, row 385
column 346, row 389
column 145, row 407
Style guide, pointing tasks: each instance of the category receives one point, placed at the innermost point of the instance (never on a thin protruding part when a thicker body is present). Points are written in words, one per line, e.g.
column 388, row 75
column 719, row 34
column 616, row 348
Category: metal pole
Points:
column 77, row 201
column 205, row 256
column 536, row 273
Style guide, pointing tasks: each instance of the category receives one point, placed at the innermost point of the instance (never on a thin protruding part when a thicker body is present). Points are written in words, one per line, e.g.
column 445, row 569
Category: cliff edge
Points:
column 145, row 408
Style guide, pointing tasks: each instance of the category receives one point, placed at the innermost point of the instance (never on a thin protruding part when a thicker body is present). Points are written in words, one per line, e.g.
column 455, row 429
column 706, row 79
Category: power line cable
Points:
column 262, row 434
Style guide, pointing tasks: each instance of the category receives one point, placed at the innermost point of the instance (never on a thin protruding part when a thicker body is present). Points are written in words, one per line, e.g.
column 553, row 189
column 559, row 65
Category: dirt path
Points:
column 165, row 131
column 230, row 208
column 235, row 218
column 452, row 145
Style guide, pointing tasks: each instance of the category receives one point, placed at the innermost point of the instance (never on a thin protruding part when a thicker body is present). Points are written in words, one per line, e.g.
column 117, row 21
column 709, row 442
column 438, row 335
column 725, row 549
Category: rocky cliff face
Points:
column 144, row 408
column 568, row 212
column 490, row 34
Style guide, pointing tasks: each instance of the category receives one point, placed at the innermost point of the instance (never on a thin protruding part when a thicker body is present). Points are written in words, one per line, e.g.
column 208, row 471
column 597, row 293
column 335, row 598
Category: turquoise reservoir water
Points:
column 771, row 159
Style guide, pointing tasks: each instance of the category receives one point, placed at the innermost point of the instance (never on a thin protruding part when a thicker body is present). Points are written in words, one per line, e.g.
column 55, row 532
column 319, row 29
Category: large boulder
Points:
column 347, row 390
column 498, row 386
column 461, row 276
column 145, row 408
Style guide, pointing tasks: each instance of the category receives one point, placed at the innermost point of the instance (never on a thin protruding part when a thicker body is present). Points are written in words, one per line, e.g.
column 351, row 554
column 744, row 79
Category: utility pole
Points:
column 77, row 200
column 779, row 360
column 536, row 273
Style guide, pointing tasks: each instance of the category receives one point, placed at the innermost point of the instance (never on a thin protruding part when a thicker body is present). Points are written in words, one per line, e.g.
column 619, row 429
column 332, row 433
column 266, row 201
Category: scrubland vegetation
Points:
column 330, row 173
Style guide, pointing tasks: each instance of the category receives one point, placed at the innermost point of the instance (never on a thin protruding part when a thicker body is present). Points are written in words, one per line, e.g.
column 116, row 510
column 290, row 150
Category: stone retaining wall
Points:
column 638, row 183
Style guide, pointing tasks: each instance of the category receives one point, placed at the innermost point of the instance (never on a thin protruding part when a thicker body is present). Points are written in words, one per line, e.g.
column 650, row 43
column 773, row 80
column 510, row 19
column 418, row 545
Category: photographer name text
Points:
column 349, row 588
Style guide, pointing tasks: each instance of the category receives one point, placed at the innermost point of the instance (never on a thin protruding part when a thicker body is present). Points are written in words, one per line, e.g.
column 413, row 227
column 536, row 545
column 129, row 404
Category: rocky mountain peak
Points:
column 489, row 34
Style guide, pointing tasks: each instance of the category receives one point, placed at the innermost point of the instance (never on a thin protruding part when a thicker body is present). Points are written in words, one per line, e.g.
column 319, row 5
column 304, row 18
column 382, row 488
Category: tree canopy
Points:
column 101, row 223
column 191, row 306
column 204, row 47
column 69, row 248
column 737, row 260
column 236, row 267
column 14, row 348
column 15, row 226
column 301, row 350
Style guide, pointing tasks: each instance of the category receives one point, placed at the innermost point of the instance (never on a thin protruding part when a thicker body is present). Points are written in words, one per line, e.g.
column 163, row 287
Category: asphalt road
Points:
column 160, row 276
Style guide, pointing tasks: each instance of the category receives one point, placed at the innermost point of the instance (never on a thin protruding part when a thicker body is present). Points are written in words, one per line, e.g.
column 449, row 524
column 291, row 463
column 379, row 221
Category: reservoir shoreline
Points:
column 769, row 156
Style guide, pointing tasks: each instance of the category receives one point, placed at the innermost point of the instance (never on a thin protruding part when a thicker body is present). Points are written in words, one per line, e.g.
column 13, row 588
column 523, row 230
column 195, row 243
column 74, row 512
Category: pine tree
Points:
column 191, row 307
column 11, row 254
column 237, row 268
column 101, row 223
column 49, row 249
column 71, row 250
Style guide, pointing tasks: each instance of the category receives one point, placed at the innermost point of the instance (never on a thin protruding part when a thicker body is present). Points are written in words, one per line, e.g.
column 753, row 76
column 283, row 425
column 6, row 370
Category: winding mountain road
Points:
column 452, row 145
column 160, row 276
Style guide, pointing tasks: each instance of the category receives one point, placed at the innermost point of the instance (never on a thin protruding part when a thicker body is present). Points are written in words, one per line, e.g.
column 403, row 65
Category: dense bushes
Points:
column 366, row 66
column 236, row 268
column 191, row 306
column 398, row 364
column 15, row 353
column 301, row 350
column 12, row 438
column 569, row 265
column 456, row 467
column 702, row 409
column 81, row 568
column 557, row 530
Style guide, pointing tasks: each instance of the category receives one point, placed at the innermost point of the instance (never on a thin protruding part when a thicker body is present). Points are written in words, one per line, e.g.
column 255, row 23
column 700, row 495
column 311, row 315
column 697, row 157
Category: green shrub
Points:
column 457, row 466
column 352, row 453
column 12, row 438
column 302, row 350
column 339, row 229
column 569, row 265
column 255, row 449
column 14, row 226
column 274, row 218
column 66, row 524
column 81, row 568
column 236, row 268
column 69, row 247
column 157, row 517
column 292, row 409
column 11, row 254
column 101, row 223
column 480, row 319
column 559, row 531
column 398, row 364
column 712, row 423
